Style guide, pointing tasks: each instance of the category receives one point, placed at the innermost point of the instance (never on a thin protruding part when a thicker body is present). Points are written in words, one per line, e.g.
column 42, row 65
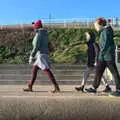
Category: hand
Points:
column 95, row 63
column 30, row 59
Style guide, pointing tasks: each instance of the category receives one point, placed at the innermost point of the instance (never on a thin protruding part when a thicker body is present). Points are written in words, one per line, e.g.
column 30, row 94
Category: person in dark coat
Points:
column 92, row 53
column 106, row 56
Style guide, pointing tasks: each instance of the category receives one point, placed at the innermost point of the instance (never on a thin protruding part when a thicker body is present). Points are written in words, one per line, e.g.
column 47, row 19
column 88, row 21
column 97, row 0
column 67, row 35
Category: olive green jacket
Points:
column 106, row 44
column 40, row 42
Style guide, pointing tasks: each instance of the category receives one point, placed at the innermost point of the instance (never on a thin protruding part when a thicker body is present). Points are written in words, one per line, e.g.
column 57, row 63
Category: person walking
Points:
column 40, row 52
column 106, row 56
column 93, row 52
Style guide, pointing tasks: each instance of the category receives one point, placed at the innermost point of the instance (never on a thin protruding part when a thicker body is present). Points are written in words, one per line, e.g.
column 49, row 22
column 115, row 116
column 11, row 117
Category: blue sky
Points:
column 25, row 11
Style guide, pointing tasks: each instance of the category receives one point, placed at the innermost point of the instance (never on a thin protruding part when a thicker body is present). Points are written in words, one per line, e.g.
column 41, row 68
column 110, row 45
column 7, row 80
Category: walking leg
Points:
column 31, row 82
column 52, row 78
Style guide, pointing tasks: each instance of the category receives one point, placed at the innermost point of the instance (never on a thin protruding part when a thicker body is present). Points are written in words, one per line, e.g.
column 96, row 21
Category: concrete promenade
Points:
column 44, row 105
column 45, row 90
column 67, row 105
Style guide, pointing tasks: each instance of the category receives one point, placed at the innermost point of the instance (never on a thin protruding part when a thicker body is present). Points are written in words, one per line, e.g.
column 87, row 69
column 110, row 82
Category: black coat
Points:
column 93, row 52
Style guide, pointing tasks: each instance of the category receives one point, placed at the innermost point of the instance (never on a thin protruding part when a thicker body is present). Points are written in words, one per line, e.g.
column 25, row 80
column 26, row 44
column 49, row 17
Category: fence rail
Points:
column 65, row 23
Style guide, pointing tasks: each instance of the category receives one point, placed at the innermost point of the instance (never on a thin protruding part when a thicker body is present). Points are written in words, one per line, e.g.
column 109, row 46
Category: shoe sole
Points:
column 113, row 96
column 107, row 91
column 27, row 90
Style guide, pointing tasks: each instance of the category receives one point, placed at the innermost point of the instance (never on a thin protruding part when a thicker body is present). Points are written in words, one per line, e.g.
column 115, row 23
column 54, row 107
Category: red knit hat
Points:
column 101, row 21
column 37, row 23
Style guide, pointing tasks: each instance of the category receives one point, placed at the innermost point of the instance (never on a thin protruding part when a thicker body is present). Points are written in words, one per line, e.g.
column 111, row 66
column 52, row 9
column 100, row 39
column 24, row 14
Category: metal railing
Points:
column 67, row 22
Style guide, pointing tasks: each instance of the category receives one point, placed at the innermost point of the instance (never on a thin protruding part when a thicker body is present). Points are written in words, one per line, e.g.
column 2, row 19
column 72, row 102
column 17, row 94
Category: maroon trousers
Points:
column 46, row 71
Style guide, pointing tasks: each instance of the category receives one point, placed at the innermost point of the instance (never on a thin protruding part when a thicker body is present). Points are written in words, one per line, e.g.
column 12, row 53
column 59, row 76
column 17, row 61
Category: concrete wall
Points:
column 60, row 108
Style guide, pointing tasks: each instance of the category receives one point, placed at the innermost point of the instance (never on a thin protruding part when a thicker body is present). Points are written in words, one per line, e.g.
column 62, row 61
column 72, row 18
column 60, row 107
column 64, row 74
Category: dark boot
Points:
column 91, row 90
column 115, row 93
column 107, row 89
column 81, row 88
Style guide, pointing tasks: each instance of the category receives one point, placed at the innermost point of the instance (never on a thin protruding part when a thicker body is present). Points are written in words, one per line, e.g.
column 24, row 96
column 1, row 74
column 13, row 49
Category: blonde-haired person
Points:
column 92, row 58
column 40, row 52
column 106, row 56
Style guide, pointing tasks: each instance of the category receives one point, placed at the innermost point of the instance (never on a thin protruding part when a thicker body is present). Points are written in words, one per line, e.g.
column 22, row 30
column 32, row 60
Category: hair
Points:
column 33, row 23
column 101, row 21
column 109, row 20
column 92, row 35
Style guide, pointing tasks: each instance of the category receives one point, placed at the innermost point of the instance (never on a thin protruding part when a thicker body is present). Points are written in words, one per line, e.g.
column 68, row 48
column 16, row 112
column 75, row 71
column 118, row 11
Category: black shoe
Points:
column 115, row 94
column 91, row 90
column 80, row 88
column 107, row 89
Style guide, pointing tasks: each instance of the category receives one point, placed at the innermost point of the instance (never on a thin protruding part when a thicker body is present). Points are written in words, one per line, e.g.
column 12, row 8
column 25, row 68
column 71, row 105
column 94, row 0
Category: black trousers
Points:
column 100, row 70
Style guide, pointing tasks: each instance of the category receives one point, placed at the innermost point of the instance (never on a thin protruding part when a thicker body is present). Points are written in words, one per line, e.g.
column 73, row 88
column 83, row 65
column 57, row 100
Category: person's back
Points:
column 91, row 49
column 107, row 45
column 43, row 41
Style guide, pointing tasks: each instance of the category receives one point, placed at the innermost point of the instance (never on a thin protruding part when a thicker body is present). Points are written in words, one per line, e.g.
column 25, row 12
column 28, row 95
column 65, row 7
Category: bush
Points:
column 66, row 45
